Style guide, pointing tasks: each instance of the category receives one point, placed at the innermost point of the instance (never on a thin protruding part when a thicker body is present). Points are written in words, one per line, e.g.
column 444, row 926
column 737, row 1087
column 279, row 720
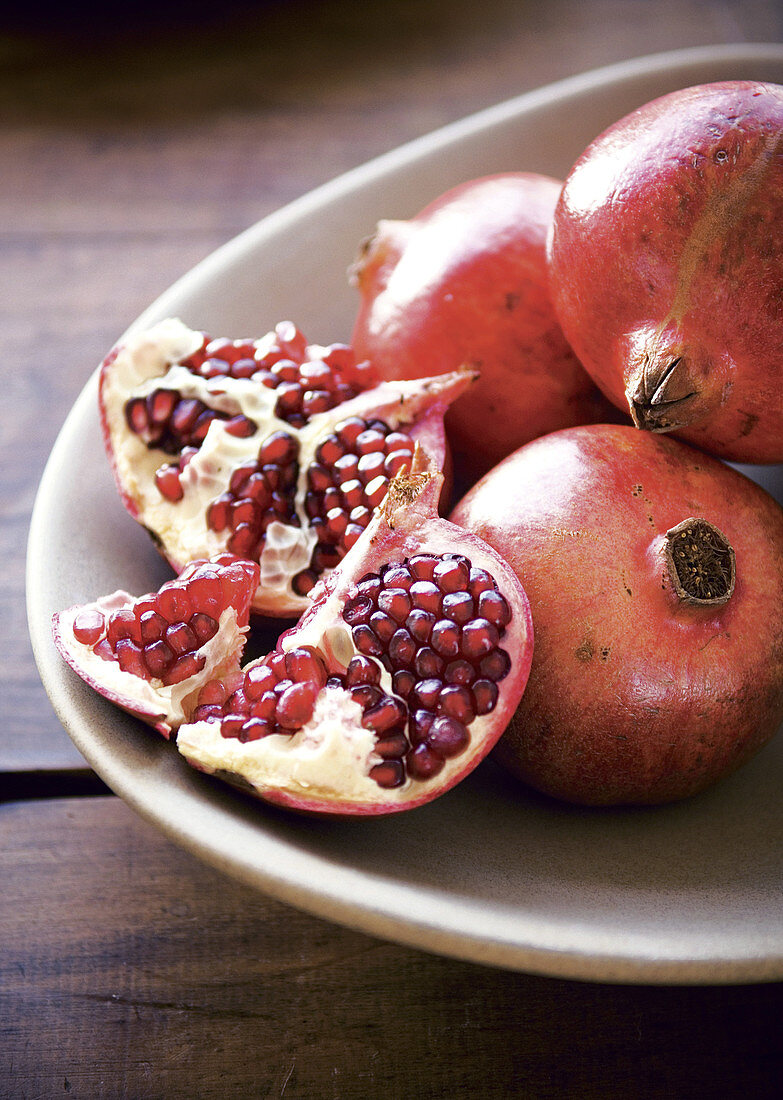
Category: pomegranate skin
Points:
column 666, row 266
column 636, row 695
column 465, row 283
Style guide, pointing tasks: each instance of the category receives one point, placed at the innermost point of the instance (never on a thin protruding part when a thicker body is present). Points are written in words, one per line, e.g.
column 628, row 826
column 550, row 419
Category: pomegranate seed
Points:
column 123, row 624
column 361, row 670
column 104, row 650
column 158, row 658
column 420, row 624
column 460, row 672
column 423, row 763
column 403, row 682
column 349, row 430
column 304, row 582
column 352, row 533
column 264, row 707
column 219, row 511
column 241, row 426
column 181, row 639
column 451, row 575
column 447, row 737
column 422, row 566
column 389, row 774
column 395, row 602
column 457, row 702
column 420, row 724
column 136, row 415
column 330, row 450
column 152, row 626
column 129, row 657
column 184, row 667
column 494, row 607
column 479, row 637
column 168, row 484
column 204, row 627
column 445, row 638
column 231, row 725
column 370, row 441
column 485, row 696
column 376, row 491
column 366, row 695
column 402, row 648
column 395, row 462
column 213, row 693
column 428, row 664
column 398, row 576
column 207, row 712
column 88, row 625
column 480, row 581
column 358, row 610
column 305, row 663
column 383, row 625
column 295, row 705
column 427, row 693
column 385, row 714
column 458, row 606
column 174, row 604
column 495, row 665
column 370, row 466
column 254, row 729
column 426, row 596
column 319, row 478
column 396, row 745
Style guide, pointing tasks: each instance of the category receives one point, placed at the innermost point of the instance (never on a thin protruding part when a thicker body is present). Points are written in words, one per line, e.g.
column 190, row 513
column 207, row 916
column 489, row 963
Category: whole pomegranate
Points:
column 666, row 262
column 655, row 578
column 395, row 683
column 270, row 449
column 464, row 283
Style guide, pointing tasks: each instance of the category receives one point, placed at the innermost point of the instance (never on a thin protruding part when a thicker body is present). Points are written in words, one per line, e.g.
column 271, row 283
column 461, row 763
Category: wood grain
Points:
column 127, row 968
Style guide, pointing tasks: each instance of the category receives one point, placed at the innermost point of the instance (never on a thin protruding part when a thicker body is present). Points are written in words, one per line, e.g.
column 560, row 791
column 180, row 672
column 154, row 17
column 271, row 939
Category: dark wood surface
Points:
column 128, row 151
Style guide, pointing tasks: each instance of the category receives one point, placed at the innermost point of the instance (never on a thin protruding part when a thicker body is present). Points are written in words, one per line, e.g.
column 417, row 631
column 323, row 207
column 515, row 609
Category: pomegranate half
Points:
column 465, row 283
column 655, row 577
column 273, row 450
column 395, row 683
column 666, row 263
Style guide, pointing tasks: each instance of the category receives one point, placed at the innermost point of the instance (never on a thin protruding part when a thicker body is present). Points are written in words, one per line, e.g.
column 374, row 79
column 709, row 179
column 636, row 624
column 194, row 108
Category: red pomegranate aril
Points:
column 423, row 763
column 242, row 540
column 352, row 492
column 241, row 426
column 447, row 737
column 305, row 664
column 419, row 625
column 219, row 512
column 419, row 725
column 158, row 658
column 494, row 607
column 495, row 666
column 389, row 774
column 264, row 707
column 259, row 679
column 366, row 641
column 370, row 586
column 451, row 575
column 319, row 478
column 203, row 626
column 168, row 483
column 244, row 511
column 207, row 712
column 402, row 649
column 336, row 523
column 352, row 532
column 395, row 602
column 184, row 667
column 232, row 724
column 295, row 706
column 479, row 637
column 349, row 430
column 257, row 489
column 371, row 466
column 361, row 670
column 445, row 638
column 181, row 639
column 136, row 415
column 383, row 626
column 213, row 693
column 480, row 581
column 240, row 477
column 346, row 469
column 427, row 693
column 174, row 604
column 330, row 451
column 279, row 448
column 485, row 696
column 456, row 702
column 366, row 695
column 428, row 664
column 129, row 657
column 426, row 596
column 403, row 682
column 254, row 729
column 376, row 490
column 458, row 606
column 358, row 610
column 360, row 517
column 459, row 672
column 123, row 624
column 422, row 566
column 89, row 625
column 394, row 746
column 395, row 462
column 385, row 714
column 398, row 576
column 370, row 441
column 237, row 702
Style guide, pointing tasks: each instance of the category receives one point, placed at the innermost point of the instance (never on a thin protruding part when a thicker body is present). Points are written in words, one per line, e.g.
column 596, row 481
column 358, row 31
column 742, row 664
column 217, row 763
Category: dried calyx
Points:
column 700, row 563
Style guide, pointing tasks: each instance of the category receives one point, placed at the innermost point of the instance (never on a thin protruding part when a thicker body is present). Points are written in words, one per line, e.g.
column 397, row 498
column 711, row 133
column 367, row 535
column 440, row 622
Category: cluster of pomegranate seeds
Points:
column 434, row 623
column 167, row 421
column 259, row 493
column 158, row 637
column 284, row 362
column 345, row 484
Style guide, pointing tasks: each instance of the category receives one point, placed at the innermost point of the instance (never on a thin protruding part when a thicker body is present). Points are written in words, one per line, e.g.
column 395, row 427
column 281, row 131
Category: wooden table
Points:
column 127, row 968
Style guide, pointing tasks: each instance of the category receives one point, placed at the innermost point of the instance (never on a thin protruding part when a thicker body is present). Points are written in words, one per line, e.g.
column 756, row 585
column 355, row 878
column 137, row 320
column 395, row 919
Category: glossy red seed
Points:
column 88, row 625
column 279, row 448
column 395, row 462
column 422, row 566
column 366, row 695
column 362, row 670
column 174, row 604
column 496, row 665
column 219, row 512
column 304, row 663
column 426, row 596
column 123, row 624
column 240, row 426
column 494, row 607
column 395, row 602
column 393, row 746
column 168, row 484
column 480, row 581
column 420, row 722
column 370, row 466
column 152, row 626
column 254, row 729
column 398, row 576
column 264, row 707
column 184, row 667
column 419, row 625
column 422, row 763
column 447, row 737
column 457, row 702
column 349, row 430
column 485, row 696
column 181, row 639
column 458, row 606
column 158, row 657
column 451, row 575
column 358, row 610
column 403, row 682
column 389, row 774
column 479, row 637
column 383, row 625
column 130, row 659
column 459, row 672
column 204, row 627
column 329, row 451
column 232, row 724
column 426, row 693
column 214, row 692
column 376, row 490
column 402, row 649
column 428, row 665
column 295, row 705
column 385, row 714
column 445, row 638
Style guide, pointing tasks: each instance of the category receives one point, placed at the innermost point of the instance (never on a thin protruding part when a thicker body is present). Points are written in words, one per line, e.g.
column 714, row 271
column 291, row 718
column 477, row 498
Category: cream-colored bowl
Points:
column 490, row 872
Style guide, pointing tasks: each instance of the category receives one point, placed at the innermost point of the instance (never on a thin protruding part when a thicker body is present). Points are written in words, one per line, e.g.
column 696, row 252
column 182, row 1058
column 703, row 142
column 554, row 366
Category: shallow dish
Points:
column 688, row 893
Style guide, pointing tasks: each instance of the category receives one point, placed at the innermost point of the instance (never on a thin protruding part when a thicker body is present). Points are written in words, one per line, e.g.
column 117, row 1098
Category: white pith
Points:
column 149, row 362
column 158, row 702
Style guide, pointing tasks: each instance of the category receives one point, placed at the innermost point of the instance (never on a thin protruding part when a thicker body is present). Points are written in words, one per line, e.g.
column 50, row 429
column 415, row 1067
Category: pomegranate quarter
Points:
column 395, row 683
column 655, row 577
column 666, row 265
column 273, row 450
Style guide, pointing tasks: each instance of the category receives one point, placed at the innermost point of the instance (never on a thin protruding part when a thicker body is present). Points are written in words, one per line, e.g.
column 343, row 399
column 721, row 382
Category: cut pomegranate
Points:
column 357, row 710
column 274, row 450
column 152, row 655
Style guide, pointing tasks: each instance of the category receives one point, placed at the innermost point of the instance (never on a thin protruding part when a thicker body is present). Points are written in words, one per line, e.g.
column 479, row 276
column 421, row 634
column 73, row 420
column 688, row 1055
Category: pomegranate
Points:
column 666, row 260
column 465, row 283
column 655, row 577
column 394, row 684
column 152, row 655
column 273, row 450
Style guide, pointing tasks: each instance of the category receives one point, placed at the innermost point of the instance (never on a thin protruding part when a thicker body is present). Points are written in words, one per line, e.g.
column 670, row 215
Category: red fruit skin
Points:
column 667, row 247
column 634, row 696
column 465, row 283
